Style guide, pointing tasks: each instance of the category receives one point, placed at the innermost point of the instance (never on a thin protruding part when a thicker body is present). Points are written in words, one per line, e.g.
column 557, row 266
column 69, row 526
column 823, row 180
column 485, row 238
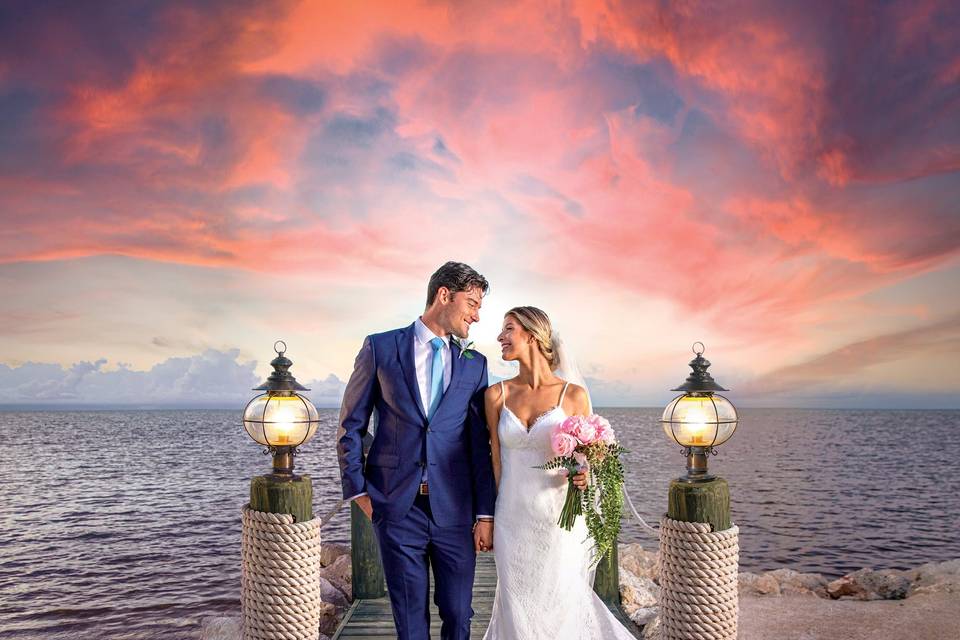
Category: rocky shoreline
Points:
column 639, row 588
column 639, row 592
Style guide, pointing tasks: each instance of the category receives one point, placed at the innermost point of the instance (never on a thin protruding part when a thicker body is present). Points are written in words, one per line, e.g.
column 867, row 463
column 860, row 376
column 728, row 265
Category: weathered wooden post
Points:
column 699, row 547
column 281, row 538
column 366, row 567
column 294, row 496
column 367, row 570
column 700, row 502
column 606, row 582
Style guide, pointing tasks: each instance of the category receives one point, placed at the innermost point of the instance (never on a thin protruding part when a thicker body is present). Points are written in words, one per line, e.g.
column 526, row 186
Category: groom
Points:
column 427, row 482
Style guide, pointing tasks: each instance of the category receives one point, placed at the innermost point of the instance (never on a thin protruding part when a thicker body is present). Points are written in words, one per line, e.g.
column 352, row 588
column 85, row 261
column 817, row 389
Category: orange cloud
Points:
column 663, row 145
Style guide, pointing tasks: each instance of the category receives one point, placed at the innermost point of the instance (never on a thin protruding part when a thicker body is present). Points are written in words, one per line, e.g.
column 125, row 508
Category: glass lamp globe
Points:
column 280, row 418
column 700, row 419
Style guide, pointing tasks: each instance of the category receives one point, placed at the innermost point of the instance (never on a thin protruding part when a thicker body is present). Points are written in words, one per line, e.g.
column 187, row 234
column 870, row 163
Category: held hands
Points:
column 483, row 535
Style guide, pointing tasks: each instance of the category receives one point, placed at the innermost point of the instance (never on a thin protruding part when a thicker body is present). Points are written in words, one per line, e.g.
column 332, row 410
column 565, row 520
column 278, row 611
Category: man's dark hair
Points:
column 455, row 276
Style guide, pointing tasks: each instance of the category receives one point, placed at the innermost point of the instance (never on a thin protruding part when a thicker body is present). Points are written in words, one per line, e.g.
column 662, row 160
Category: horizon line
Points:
column 18, row 407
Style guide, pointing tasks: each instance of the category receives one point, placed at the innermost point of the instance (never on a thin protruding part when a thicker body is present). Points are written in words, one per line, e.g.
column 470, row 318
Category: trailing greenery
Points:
column 603, row 498
column 601, row 503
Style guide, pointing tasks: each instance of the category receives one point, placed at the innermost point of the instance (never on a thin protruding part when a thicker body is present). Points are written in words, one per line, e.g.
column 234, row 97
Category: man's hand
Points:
column 365, row 505
column 483, row 535
column 580, row 480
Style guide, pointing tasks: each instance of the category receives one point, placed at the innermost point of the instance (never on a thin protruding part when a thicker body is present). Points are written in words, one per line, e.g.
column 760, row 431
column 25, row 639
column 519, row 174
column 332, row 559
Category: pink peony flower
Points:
column 587, row 432
column 563, row 443
column 598, row 421
column 605, row 433
column 571, row 425
column 580, row 458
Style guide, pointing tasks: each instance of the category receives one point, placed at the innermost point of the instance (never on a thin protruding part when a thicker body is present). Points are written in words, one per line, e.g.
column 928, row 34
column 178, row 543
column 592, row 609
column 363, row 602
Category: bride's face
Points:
column 513, row 339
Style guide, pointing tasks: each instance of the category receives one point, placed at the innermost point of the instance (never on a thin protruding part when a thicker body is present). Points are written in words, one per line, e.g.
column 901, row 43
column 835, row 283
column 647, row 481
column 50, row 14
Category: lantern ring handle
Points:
column 702, row 348
column 280, row 352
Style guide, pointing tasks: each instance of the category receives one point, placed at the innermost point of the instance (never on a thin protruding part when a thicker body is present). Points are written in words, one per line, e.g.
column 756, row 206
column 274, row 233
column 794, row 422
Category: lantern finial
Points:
column 281, row 379
column 700, row 380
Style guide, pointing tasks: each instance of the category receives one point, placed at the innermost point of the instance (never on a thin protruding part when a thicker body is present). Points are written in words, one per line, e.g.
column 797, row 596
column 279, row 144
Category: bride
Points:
column 544, row 582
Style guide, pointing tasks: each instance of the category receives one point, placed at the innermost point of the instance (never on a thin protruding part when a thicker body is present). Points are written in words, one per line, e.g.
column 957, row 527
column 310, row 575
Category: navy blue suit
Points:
column 417, row 531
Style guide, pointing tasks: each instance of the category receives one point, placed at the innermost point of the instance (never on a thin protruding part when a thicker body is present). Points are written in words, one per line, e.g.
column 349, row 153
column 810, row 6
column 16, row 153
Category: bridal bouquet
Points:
column 589, row 442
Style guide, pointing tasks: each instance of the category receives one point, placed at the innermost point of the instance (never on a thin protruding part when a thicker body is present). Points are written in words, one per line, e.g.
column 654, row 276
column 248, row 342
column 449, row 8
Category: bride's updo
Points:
column 536, row 323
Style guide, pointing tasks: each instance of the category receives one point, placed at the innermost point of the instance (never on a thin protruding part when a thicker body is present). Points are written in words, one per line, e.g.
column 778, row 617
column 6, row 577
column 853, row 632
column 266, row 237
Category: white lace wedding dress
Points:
column 544, row 583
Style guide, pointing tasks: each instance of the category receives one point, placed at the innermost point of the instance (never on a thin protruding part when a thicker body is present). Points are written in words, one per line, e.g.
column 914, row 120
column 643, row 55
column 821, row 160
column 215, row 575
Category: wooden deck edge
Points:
column 346, row 618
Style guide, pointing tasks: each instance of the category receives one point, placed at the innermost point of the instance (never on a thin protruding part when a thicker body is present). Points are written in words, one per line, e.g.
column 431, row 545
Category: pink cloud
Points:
column 728, row 161
column 937, row 340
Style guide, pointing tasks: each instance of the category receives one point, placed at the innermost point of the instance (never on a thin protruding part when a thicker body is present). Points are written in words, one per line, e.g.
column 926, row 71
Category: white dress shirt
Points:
column 423, row 361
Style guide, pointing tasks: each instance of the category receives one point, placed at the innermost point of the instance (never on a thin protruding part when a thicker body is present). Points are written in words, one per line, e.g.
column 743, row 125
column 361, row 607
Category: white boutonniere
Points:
column 466, row 348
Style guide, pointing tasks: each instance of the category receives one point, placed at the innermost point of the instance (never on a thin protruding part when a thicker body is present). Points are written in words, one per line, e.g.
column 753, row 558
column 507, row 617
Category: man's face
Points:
column 462, row 310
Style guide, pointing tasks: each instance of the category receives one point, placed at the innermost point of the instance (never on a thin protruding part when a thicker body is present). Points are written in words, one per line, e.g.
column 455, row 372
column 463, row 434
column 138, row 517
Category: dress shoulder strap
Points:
column 563, row 393
column 503, row 392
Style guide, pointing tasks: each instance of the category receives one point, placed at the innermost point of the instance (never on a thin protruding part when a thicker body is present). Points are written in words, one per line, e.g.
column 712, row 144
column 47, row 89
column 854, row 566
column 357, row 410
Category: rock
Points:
column 935, row 577
column 328, row 618
column 867, row 584
column 637, row 561
column 220, row 628
column 652, row 630
column 844, row 587
column 752, row 584
column 330, row 552
column 795, row 583
column 329, row 593
column 637, row 591
column 644, row 615
column 339, row 573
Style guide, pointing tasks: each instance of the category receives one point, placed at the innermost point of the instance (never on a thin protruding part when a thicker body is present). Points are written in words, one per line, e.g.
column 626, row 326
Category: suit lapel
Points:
column 456, row 364
column 405, row 341
column 455, row 361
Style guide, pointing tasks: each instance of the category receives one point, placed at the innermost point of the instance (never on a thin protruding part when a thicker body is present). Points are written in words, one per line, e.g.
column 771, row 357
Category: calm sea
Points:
column 126, row 524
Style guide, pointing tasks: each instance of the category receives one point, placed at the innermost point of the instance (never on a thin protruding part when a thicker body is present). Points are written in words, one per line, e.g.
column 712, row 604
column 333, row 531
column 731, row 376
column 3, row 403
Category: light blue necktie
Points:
column 436, row 377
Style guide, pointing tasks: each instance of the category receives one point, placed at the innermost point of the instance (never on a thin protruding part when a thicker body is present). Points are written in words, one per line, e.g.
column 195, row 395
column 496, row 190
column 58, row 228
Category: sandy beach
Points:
column 930, row 616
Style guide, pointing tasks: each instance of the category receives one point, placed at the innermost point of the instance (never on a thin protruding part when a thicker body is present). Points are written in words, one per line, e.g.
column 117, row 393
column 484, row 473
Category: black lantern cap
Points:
column 281, row 379
column 700, row 381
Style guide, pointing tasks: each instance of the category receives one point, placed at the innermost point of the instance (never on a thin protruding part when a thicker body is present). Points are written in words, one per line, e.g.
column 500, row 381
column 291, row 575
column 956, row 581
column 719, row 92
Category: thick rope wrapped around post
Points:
column 698, row 581
column 281, row 577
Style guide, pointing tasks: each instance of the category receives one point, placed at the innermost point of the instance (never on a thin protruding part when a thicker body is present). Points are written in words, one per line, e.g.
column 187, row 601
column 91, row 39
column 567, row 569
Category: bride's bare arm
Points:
column 493, row 403
column 576, row 402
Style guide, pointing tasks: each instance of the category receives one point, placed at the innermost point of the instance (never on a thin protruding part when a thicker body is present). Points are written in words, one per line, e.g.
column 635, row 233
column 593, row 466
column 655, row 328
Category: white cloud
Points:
column 212, row 378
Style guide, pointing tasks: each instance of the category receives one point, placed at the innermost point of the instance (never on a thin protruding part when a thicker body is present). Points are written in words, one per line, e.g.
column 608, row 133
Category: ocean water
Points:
column 126, row 524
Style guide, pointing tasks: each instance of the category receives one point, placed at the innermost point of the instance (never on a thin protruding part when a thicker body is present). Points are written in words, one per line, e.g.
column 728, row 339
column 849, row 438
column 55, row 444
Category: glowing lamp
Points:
column 281, row 419
column 700, row 419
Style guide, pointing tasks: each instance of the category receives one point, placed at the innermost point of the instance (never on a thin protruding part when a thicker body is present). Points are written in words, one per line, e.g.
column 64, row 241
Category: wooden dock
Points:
column 372, row 619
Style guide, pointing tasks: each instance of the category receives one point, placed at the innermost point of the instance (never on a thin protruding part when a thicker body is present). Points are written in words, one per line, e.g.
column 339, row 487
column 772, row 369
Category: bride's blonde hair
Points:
column 537, row 324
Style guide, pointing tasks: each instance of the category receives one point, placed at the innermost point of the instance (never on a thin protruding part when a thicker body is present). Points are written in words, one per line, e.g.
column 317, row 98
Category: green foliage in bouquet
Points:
column 603, row 499
column 601, row 503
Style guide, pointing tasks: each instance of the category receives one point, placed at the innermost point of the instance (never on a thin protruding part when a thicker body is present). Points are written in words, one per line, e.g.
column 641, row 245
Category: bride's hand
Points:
column 580, row 480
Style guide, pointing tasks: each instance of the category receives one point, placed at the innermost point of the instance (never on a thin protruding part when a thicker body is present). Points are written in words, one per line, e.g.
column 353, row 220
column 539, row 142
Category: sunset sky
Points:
column 183, row 183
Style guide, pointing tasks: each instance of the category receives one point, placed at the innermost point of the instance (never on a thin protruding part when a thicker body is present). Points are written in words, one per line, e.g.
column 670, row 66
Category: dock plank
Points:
column 373, row 619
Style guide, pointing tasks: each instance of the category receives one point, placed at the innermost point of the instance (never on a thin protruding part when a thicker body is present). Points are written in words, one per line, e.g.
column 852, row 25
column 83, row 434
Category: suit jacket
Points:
column 454, row 445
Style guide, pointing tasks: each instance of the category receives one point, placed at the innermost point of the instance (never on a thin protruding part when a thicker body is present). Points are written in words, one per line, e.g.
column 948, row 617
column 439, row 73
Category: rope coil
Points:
column 698, row 581
column 281, row 577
